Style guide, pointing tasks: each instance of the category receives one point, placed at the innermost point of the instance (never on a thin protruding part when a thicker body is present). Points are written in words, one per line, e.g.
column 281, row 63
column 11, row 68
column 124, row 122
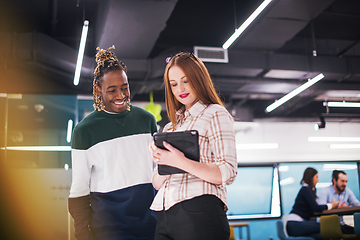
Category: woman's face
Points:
column 114, row 91
column 316, row 179
column 181, row 88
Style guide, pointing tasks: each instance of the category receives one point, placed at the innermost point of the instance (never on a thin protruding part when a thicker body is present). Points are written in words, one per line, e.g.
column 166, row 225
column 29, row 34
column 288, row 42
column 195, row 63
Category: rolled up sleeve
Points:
column 223, row 145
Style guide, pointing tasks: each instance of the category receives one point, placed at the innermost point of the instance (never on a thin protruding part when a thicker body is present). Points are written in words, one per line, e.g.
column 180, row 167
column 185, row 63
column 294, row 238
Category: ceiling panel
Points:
column 39, row 41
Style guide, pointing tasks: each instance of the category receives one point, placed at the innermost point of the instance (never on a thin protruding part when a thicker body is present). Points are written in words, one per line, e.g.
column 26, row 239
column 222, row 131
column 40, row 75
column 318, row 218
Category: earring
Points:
column 128, row 105
column 99, row 104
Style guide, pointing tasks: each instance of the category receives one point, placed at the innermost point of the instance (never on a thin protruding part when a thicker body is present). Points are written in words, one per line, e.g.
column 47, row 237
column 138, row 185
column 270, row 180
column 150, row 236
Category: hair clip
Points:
column 167, row 60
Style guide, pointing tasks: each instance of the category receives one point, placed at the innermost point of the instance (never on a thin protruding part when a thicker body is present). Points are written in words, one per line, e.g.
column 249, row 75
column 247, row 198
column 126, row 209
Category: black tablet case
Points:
column 186, row 141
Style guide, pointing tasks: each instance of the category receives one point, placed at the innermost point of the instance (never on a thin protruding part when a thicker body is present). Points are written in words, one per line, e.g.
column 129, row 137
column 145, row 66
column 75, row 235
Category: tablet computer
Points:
column 185, row 141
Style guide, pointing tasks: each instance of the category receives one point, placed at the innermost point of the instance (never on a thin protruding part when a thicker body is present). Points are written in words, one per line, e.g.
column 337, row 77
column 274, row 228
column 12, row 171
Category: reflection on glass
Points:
column 290, row 188
column 254, row 193
column 37, row 130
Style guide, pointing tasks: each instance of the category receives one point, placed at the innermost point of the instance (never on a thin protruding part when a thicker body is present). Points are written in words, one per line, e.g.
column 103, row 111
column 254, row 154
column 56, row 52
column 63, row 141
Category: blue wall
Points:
column 259, row 230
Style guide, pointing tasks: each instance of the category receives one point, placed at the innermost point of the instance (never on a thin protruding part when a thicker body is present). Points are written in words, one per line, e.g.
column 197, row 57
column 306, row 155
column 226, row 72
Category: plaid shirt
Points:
column 217, row 146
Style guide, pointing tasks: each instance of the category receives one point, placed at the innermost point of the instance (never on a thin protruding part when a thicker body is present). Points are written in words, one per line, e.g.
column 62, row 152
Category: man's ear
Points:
column 98, row 90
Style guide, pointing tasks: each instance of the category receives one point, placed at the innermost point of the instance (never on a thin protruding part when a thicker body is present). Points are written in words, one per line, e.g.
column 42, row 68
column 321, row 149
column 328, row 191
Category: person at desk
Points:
column 298, row 222
column 339, row 192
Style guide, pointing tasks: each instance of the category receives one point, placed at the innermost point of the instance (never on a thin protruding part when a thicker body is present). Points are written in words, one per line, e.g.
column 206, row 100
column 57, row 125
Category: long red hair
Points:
column 200, row 81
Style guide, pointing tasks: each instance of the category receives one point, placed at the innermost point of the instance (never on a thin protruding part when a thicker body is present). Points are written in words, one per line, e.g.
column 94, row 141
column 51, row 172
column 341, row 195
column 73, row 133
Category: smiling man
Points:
column 111, row 189
column 339, row 192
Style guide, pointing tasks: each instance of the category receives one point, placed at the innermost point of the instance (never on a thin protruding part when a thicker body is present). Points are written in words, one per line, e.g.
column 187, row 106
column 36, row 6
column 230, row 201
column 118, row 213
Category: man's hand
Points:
column 343, row 205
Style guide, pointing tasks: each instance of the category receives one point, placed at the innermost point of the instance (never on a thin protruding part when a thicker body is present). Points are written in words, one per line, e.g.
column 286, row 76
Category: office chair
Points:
column 357, row 223
column 282, row 236
column 330, row 228
column 232, row 235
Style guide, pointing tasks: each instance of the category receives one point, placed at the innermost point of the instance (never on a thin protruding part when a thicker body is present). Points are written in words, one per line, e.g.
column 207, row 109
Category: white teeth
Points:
column 122, row 102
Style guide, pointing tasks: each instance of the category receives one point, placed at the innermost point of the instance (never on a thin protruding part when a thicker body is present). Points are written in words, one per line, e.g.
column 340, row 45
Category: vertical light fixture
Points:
column 295, row 92
column 247, row 22
column 81, row 52
column 69, row 130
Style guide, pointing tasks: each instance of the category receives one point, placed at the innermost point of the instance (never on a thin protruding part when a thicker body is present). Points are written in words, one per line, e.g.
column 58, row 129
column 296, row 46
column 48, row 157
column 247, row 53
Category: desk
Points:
column 339, row 211
column 240, row 225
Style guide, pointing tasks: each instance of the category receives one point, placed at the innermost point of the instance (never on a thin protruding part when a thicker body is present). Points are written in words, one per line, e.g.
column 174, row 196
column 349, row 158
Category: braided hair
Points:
column 106, row 62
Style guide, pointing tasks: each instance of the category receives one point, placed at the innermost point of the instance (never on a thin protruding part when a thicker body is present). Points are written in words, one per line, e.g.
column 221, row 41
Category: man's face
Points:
column 340, row 184
column 114, row 91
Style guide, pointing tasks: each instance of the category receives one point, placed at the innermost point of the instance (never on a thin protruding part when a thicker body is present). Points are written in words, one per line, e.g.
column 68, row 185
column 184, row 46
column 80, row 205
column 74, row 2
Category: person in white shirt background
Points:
column 339, row 192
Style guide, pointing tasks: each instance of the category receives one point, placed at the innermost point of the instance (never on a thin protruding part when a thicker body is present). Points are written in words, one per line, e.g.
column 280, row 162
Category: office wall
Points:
column 292, row 138
column 34, row 204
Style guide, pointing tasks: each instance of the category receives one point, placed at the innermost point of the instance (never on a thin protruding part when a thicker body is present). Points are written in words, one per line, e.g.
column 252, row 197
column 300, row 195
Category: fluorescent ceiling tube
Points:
column 295, row 92
column 344, row 146
column 323, row 184
column 287, row 181
column 243, row 26
column 342, row 104
column 283, row 168
column 336, row 166
column 257, row 146
column 334, row 139
column 39, row 148
column 81, row 52
column 69, row 130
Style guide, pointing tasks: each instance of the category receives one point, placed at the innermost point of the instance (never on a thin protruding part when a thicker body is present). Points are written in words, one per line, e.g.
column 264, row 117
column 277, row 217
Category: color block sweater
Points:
column 111, row 189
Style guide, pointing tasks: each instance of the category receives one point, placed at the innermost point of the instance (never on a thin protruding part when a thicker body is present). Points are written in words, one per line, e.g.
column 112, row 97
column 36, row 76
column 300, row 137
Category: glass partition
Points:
column 291, row 175
column 254, row 193
column 37, row 134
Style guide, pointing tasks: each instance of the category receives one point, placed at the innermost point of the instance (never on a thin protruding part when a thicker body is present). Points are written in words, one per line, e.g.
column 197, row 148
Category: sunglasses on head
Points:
column 178, row 55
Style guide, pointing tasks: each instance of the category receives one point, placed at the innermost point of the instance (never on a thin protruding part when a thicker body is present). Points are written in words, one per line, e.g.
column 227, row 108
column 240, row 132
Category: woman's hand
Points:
column 164, row 157
column 152, row 148
column 334, row 203
column 169, row 156
column 175, row 158
column 157, row 180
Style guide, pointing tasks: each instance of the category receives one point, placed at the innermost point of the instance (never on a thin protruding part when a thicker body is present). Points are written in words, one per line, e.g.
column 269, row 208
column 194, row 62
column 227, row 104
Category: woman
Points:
column 305, row 205
column 192, row 205
column 111, row 188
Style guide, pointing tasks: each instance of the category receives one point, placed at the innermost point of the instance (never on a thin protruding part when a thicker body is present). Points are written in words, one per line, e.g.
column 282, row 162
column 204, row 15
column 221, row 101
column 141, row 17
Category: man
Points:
column 338, row 192
column 111, row 189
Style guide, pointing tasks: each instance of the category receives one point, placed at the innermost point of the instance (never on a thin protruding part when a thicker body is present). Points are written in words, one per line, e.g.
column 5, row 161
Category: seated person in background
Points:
column 305, row 205
column 339, row 192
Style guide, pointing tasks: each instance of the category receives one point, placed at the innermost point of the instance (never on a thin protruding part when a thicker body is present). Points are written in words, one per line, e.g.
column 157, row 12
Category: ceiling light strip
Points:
column 257, row 146
column 247, row 22
column 69, row 130
column 336, row 166
column 344, row 146
column 342, row 104
column 39, row 148
column 295, row 92
column 81, row 52
column 334, row 139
